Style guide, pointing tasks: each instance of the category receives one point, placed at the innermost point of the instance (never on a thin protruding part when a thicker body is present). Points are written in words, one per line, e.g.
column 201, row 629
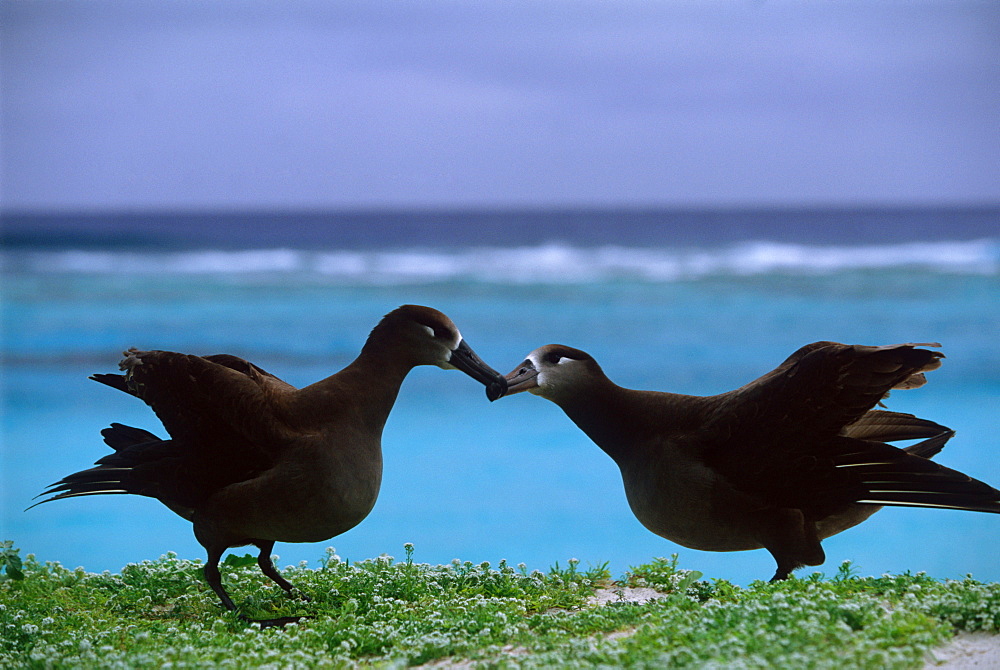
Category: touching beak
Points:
column 465, row 359
column 524, row 378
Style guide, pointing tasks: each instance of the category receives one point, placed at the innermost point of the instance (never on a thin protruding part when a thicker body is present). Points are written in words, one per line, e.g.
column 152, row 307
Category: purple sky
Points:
column 190, row 104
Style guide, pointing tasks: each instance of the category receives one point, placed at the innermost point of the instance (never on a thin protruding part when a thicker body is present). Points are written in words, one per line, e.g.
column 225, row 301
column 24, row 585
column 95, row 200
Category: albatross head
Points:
column 431, row 338
column 551, row 371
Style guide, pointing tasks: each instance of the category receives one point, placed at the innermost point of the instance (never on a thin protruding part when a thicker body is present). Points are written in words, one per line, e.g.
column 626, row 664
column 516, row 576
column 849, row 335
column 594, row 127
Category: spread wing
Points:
column 220, row 413
column 805, row 434
column 826, row 386
column 205, row 399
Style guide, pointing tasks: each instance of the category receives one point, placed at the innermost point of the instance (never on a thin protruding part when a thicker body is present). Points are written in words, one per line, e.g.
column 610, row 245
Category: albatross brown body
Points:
column 253, row 460
column 782, row 463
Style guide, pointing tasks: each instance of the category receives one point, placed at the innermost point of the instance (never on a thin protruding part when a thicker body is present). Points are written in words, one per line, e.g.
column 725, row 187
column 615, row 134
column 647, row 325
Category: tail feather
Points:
column 910, row 479
column 931, row 447
column 120, row 436
column 101, row 485
column 115, row 472
column 885, row 426
column 933, row 499
column 93, row 475
column 95, row 481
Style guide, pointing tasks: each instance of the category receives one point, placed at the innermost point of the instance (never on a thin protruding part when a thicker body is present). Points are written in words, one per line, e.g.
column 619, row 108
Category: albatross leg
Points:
column 267, row 565
column 784, row 570
column 214, row 578
column 794, row 543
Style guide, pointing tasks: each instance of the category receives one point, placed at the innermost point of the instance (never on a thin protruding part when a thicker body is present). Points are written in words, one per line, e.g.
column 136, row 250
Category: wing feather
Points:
column 206, row 401
column 806, row 435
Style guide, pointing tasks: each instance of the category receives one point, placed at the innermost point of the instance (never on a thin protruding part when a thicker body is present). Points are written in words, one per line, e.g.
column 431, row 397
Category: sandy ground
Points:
column 967, row 651
column 625, row 594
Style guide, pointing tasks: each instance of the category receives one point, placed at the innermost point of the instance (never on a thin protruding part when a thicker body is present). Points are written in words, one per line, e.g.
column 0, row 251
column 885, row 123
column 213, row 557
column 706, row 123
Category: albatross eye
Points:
column 437, row 332
column 553, row 358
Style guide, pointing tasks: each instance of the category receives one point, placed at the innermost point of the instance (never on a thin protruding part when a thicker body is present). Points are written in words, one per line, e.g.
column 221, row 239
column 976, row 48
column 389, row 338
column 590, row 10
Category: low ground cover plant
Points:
column 384, row 612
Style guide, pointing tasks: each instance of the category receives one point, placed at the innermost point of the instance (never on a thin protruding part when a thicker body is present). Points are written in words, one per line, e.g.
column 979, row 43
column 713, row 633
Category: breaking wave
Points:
column 548, row 263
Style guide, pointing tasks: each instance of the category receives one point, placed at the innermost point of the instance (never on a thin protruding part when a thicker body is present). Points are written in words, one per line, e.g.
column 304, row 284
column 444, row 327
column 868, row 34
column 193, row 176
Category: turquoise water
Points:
column 513, row 479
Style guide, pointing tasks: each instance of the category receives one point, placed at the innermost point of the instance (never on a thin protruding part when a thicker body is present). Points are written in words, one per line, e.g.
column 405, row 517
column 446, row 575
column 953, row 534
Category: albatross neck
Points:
column 621, row 421
column 372, row 381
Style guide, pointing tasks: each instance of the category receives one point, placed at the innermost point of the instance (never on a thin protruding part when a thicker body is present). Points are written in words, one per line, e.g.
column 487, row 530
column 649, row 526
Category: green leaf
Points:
column 243, row 561
column 10, row 561
column 687, row 580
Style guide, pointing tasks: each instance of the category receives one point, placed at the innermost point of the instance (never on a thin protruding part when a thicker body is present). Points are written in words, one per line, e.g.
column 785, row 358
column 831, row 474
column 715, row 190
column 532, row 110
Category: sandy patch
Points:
column 624, row 594
column 967, row 651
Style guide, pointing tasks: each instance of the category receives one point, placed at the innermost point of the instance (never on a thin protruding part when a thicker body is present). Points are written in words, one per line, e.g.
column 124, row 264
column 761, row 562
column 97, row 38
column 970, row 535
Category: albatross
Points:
column 251, row 459
column 782, row 463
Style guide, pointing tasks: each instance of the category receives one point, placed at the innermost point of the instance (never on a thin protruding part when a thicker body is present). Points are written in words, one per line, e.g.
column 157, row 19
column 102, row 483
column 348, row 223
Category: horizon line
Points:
column 488, row 208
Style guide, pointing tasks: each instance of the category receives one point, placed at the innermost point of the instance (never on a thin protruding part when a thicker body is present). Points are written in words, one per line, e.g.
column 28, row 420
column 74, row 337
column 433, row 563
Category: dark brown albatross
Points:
column 782, row 463
column 253, row 460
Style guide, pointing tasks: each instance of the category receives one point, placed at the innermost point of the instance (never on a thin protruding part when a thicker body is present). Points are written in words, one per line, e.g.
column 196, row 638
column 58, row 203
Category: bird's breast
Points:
column 310, row 495
column 687, row 503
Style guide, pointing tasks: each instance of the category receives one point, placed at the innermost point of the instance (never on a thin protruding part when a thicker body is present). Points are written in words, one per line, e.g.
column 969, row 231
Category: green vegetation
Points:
column 381, row 612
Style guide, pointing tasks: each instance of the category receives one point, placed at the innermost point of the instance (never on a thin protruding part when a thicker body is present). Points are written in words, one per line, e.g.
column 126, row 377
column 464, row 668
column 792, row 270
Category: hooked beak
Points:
column 524, row 378
column 465, row 359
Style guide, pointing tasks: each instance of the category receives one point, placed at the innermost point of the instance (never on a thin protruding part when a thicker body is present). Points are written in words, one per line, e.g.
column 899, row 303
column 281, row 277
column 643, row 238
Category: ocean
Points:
column 690, row 301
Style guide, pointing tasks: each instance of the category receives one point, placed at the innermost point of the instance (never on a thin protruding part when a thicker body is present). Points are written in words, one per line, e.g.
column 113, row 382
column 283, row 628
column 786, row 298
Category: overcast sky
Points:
column 180, row 105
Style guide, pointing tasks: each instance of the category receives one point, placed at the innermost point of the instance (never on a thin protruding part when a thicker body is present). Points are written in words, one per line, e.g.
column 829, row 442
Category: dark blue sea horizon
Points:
column 451, row 228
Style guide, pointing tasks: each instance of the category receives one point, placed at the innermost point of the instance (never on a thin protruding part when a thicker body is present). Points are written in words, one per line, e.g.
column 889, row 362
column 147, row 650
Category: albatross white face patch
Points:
column 451, row 347
column 451, row 344
column 562, row 373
